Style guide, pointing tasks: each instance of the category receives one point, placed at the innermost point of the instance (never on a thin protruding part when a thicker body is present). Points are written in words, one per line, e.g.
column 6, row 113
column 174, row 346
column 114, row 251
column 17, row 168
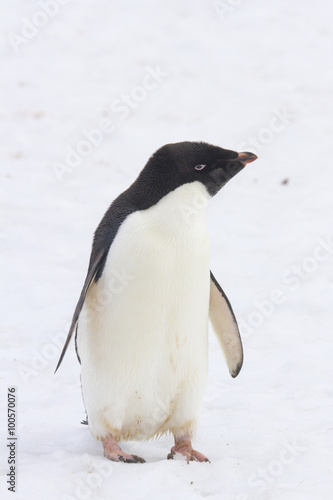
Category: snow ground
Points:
column 229, row 74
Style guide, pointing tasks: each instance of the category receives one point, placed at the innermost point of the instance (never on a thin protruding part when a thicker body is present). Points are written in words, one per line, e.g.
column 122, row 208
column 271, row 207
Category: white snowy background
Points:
column 245, row 75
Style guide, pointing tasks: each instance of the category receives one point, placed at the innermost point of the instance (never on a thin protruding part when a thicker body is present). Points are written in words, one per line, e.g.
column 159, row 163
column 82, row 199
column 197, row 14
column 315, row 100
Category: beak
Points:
column 246, row 157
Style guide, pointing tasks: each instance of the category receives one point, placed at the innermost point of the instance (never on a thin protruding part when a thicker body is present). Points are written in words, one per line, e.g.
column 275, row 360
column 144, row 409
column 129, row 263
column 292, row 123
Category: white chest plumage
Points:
column 142, row 333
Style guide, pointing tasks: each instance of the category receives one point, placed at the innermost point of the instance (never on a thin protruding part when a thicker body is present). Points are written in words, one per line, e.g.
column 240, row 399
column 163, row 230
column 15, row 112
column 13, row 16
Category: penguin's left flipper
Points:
column 225, row 327
column 93, row 270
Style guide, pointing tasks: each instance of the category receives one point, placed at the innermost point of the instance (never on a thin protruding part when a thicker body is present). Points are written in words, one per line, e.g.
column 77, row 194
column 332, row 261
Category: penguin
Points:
column 141, row 321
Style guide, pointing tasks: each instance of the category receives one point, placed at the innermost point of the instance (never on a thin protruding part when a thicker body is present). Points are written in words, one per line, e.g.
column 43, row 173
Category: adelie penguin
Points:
column 141, row 321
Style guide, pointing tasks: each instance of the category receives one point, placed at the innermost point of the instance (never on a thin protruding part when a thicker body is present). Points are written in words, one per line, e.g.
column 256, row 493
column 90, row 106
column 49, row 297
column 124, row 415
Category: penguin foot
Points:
column 113, row 452
column 184, row 447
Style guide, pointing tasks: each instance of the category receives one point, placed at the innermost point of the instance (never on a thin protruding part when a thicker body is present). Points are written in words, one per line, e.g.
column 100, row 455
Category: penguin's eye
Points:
column 199, row 167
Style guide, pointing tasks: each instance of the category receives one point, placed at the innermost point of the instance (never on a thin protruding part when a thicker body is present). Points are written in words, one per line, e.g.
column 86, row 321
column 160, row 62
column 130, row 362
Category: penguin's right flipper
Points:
column 225, row 327
column 93, row 270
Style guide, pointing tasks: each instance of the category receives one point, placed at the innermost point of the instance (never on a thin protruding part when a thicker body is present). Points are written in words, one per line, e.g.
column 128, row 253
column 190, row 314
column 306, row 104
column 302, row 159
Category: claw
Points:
column 123, row 457
column 131, row 459
column 139, row 459
column 171, row 455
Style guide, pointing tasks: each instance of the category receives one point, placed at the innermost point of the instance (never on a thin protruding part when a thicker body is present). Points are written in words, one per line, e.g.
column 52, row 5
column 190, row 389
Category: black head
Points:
column 176, row 164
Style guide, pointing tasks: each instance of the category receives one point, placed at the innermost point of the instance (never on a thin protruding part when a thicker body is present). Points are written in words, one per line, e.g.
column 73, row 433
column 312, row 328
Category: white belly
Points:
column 142, row 334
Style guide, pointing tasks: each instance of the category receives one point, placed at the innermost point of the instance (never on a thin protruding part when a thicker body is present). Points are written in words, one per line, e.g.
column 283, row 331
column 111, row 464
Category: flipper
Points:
column 93, row 270
column 225, row 327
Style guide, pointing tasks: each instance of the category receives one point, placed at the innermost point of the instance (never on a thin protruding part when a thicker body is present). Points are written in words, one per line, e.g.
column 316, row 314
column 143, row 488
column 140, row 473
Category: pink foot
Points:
column 184, row 446
column 113, row 452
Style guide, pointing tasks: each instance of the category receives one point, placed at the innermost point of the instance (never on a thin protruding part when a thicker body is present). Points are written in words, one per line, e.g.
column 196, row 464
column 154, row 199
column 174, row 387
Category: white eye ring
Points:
column 199, row 167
